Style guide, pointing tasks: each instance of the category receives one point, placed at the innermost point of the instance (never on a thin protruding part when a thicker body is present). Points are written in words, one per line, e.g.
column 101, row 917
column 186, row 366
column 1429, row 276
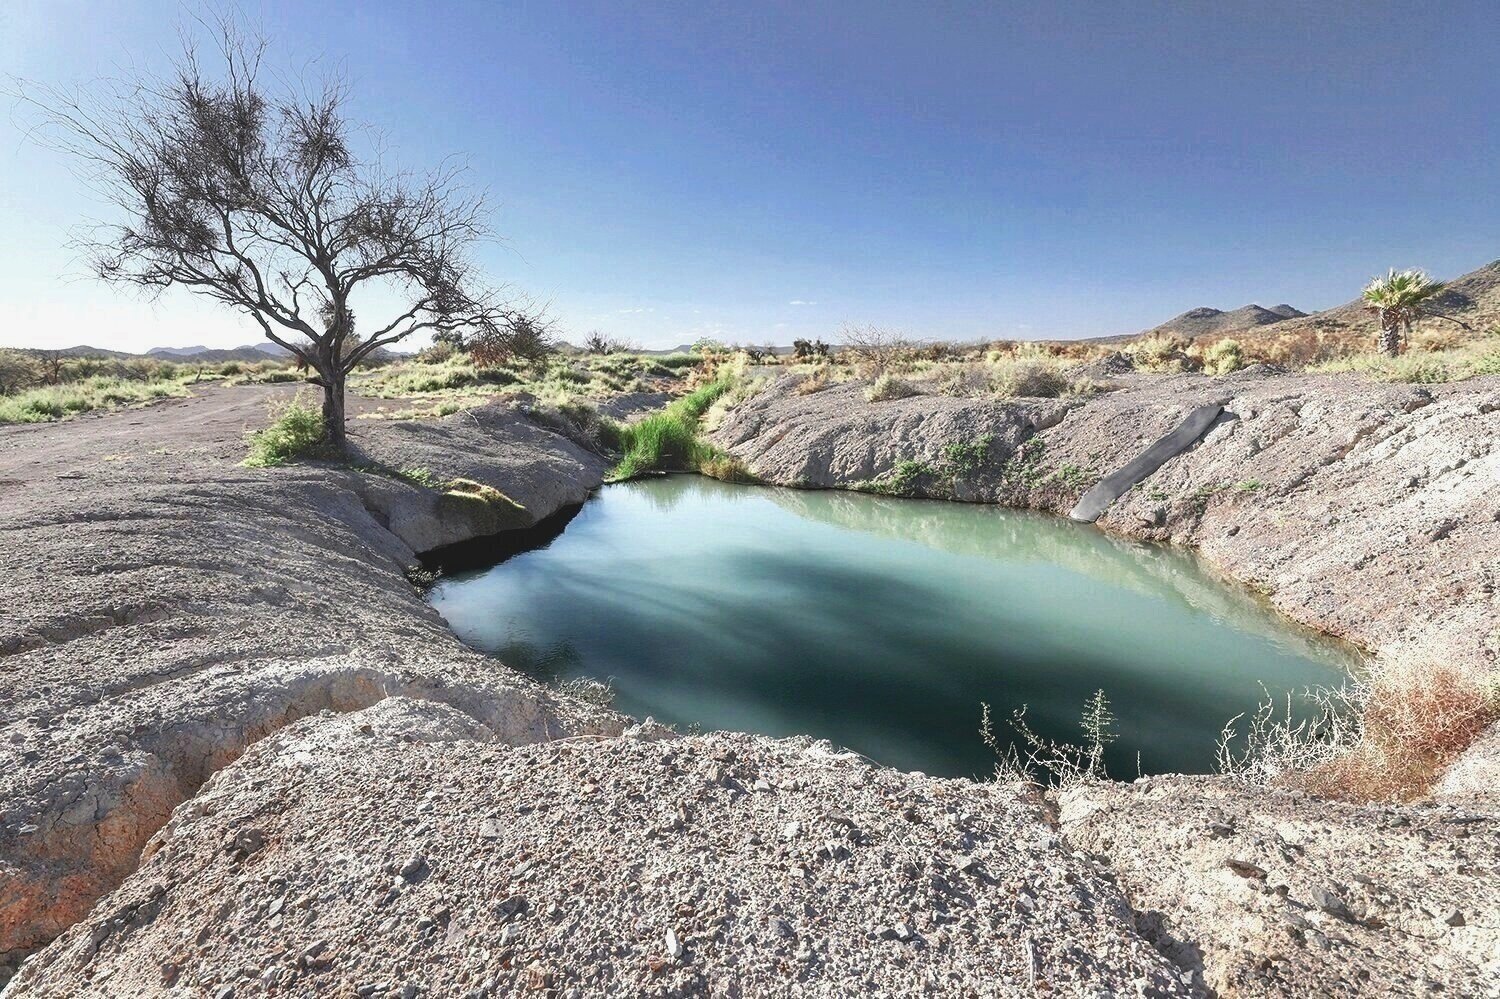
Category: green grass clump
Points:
column 419, row 477
column 1223, row 357
column 468, row 489
column 296, row 431
column 964, row 459
column 669, row 439
column 53, row 402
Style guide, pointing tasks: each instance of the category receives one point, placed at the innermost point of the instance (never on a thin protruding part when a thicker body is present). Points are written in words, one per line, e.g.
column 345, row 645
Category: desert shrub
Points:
column 585, row 688
column 1160, row 352
column 809, row 350
column 598, row 343
column 963, row 380
column 18, row 370
column 874, row 350
column 296, row 431
column 436, row 353
column 1030, row 379
column 1033, row 756
column 816, row 381
column 888, row 386
column 1223, row 357
column 1383, row 736
column 676, row 361
column 525, row 337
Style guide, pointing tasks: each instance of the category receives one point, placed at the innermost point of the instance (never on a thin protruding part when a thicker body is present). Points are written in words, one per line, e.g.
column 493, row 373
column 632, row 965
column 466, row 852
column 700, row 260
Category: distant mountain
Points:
column 1472, row 299
column 251, row 352
column 1206, row 321
column 84, row 350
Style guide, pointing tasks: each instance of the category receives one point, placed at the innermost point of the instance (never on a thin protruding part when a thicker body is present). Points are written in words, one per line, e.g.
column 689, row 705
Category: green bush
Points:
column 1223, row 357
column 296, row 431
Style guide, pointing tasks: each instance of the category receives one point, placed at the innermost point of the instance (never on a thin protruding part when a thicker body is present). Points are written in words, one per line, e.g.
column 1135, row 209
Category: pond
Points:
column 882, row 624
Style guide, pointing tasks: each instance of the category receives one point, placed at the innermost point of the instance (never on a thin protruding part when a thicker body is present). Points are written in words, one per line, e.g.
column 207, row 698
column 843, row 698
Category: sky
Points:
column 757, row 172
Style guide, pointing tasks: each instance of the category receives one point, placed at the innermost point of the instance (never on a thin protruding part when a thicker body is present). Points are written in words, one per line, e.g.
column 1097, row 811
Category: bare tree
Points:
column 254, row 196
column 876, row 349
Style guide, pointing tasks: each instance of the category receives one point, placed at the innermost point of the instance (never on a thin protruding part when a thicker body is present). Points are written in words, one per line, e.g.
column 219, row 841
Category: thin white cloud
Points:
column 798, row 301
column 630, row 312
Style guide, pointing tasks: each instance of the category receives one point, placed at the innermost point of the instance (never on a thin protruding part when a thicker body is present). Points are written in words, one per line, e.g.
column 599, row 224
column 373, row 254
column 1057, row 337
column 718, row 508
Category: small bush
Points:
column 1065, row 764
column 1223, row 357
column 296, row 431
column 1160, row 352
column 888, row 386
column 584, row 688
column 817, row 381
column 437, row 353
column 1029, row 379
column 875, row 350
column 1381, row 737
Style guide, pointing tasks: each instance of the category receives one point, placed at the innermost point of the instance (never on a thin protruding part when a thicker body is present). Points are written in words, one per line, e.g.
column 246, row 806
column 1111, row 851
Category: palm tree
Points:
column 1398, row 298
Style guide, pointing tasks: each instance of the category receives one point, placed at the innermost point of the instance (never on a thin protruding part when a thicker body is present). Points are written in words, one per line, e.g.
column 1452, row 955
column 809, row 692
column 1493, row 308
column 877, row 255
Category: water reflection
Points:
column 881, row 624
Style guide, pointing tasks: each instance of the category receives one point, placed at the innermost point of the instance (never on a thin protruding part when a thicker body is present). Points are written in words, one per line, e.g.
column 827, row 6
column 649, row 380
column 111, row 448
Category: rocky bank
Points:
column 239, row 754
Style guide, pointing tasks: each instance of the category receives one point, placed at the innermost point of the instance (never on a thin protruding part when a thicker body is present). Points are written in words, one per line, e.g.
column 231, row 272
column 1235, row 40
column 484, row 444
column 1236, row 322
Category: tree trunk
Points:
column 333, row 410
column 1390, row 334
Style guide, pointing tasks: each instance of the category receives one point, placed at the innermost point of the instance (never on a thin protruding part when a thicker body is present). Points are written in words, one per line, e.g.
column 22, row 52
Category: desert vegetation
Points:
column 38, row 385
column 1382, row 735
column 669, row 439
column 1398, row 298
column 295, row 431
column 249, row 188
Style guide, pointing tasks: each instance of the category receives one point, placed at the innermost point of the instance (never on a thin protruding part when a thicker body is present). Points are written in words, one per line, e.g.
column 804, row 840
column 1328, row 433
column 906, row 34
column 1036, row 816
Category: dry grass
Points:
column 1381, row 737
column 1448, row 364
column 1029, row 379
column 1415, row 718
column 816, row 381
column 887, row 387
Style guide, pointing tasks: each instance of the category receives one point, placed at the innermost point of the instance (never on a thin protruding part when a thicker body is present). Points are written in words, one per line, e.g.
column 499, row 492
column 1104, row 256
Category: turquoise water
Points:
column 881, row 624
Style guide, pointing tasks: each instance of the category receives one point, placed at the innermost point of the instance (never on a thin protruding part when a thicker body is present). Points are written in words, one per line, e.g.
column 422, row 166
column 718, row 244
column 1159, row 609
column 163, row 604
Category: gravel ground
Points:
column 1268, row 894
column 386, row 853
column 165, row 608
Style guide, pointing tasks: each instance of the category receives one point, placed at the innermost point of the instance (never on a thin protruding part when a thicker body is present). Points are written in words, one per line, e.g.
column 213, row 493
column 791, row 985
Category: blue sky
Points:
column 763, row 171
